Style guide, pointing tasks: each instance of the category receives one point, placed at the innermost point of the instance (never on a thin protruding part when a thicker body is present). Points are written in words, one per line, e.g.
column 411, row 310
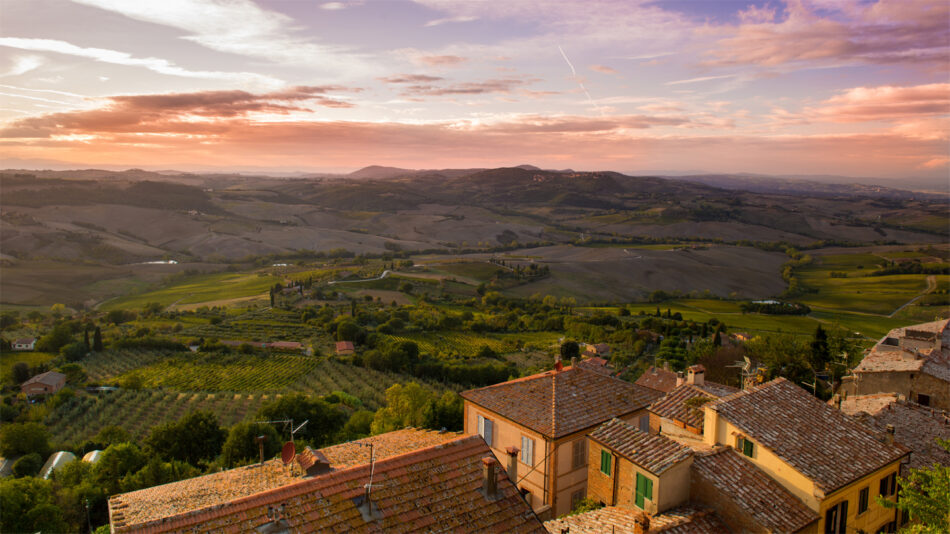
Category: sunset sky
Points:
column 845, row 87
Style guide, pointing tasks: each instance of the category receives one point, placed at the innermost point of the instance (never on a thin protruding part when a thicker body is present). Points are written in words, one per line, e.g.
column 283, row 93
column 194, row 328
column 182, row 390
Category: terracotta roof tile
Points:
column 558, row 403
column 209, row 490
column 439, row 491
column 756, row 494
column 620, row 520
column 656, row 454
column 817, row 440
column 915, row 426
column 674, row 405
column 658, row 379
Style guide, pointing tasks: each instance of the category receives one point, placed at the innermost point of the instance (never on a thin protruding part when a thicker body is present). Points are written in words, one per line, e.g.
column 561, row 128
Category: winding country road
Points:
column 931, row 285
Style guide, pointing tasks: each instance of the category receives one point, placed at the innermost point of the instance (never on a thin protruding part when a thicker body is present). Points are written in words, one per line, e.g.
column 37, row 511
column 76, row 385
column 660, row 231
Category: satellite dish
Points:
column 288, row 453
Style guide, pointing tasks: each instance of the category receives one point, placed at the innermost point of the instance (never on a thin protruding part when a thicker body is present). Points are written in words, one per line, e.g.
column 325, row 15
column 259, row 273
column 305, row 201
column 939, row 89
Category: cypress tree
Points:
column 97, row 340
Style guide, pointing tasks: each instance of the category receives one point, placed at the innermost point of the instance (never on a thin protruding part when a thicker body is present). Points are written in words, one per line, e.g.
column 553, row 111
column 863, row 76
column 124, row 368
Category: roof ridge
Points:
column 554, row 404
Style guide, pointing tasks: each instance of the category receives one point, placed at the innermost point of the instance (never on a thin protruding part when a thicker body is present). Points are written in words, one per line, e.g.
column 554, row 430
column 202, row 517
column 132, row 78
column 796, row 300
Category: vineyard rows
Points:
column 82, row 417
column 467, row 344
column 231, row 372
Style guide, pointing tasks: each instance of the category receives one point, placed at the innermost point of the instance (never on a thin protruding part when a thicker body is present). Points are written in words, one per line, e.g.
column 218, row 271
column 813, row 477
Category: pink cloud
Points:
column 887, row 103
column 603, row 69
column 441, row 61
column 887, row 31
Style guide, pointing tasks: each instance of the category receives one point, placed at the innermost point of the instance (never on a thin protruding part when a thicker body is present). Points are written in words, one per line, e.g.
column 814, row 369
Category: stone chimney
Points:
column 573, row 362
column 679, row 379
column 889, row 435
column 837, row 401
column 696, row 375
column 666, row 366
column 641, row 523
column 513, row 464
column 489, row 482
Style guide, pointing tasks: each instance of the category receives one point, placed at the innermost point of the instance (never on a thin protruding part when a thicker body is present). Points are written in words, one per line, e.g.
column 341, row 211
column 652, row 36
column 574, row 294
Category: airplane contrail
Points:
column 574, row 75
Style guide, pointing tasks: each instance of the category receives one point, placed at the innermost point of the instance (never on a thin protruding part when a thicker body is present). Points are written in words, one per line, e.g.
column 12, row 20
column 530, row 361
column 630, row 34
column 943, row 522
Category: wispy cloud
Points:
column 446, row 20
column 21, row 64
column 441, row 61
column 115, row 57
column 333, row 6
column 237, row 27
column 701, row 79
column 603, row 69
column 410, row 78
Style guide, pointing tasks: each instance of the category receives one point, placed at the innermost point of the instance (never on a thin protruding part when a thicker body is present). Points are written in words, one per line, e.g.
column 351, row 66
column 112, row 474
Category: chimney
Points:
column 696, row 375
column 489, row 482
column 889, row 435
column 513, row 464
column 679, row 379
column 260, row 444
column 666, row 366
column 573, row 362
column 641, row 523
column 557, row 362
column 837, row 401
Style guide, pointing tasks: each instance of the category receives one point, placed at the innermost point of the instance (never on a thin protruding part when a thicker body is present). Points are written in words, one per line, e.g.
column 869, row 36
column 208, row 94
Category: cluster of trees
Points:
column 775, row 308
column 911, row 267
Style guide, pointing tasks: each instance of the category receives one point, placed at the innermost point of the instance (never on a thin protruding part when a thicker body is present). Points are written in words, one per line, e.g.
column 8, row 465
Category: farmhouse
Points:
column 598, row 349
column 26, row 343
column 541, row 421
column 420, row 481
column 44, row 384
column 912, row 361
column 345, row 347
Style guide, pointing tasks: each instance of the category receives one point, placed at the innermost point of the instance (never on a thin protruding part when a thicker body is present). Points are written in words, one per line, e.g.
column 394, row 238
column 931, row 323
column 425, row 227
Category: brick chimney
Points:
column 889, row 435
column 513, row 464
column 696, row 375
column 557, row 362
column 489, row 482
column 641, row 523
column 679, row 379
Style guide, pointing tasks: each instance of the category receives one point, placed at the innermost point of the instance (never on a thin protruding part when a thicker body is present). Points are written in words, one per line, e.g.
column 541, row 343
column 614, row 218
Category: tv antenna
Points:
column 287, row 423
column 364, row 503
column 746, row 370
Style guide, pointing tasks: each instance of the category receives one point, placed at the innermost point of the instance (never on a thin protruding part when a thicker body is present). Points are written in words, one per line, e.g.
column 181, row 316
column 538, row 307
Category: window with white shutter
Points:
column 527, row 450
column 485, row 429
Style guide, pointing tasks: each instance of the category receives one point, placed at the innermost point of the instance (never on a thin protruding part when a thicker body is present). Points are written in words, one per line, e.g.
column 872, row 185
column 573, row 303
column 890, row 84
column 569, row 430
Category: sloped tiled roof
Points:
column 436, row 489
column 673, row 405
column 756, row 494
column 558, row 403
column 620, row 520
column 817, row 440
column 886, row 356
column 50, row 378
column 656, row 454
column 915, row 426
column 658, row 379
column 209, row 490
column 596, row 364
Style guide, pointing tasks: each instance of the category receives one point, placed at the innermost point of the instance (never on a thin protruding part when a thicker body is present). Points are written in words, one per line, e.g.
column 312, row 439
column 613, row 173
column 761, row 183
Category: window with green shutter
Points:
column 605, row 459
column 746, row 446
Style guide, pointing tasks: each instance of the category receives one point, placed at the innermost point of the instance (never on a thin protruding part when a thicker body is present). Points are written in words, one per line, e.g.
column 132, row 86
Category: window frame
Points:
column 864, row 499
column 483, row 424
column 888, row 484
column 742, row 443
column 579, row 453
column 527, row 451
column 840, row 510
column 606, row 460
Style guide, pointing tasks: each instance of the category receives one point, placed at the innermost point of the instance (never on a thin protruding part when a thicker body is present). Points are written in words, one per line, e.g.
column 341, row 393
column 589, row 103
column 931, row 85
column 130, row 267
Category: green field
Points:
column 9, row 359
column 476, row 270
column 197, row 289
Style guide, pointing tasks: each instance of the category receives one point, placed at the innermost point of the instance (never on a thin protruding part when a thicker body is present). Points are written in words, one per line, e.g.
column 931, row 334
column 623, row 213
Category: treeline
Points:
column 911, row 267
column 775, row 308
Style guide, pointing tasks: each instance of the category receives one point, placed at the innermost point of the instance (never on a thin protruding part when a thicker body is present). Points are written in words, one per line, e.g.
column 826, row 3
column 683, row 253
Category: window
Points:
column 888, row 485
column 579, row 453
column 887, row 528
column 863, row 500
column 745, row 446
column 527, row 450
column 923, row 400
column 485, row 429
column 644, row 490
column 576, row 498
column 605, row 459
column 645, row 423
column 836, row 519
